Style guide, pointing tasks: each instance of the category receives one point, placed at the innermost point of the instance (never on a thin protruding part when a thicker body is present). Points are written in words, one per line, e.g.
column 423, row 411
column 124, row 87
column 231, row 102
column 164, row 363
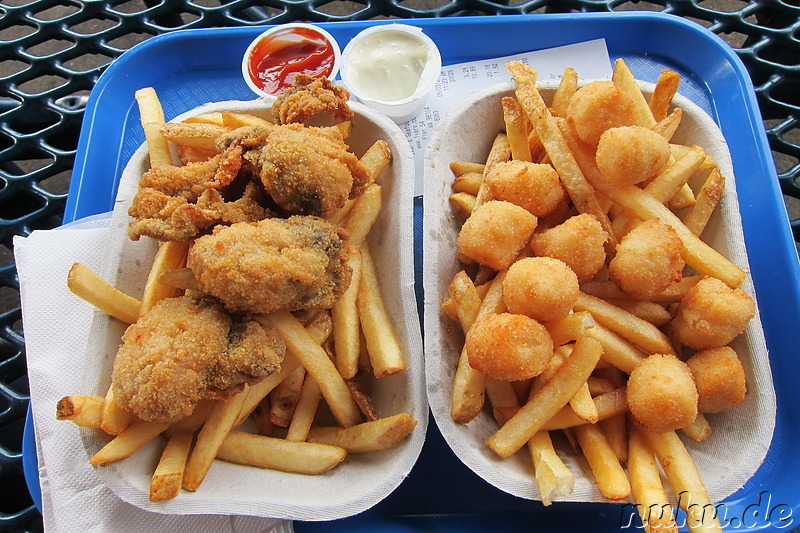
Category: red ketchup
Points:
column 277, row 58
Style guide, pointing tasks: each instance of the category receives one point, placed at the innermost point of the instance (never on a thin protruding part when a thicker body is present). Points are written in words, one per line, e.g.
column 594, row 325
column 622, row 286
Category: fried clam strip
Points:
column 554, row 395
column 578, row 188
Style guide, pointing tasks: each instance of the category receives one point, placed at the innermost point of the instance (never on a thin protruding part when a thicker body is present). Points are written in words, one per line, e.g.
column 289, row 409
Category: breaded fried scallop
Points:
column 509, row 346
column 578, row 242
column 495, row 233
column 712, row 314
column 648, row 259
column 542, row 288
column 720, row 379
column 535, row 187
column 274, row 264
column 631, row 154
column 187, row 349
column 596, row 107
column 661, row 393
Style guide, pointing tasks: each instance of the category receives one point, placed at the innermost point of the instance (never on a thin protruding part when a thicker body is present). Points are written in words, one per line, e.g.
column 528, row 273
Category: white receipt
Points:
column 589, row 59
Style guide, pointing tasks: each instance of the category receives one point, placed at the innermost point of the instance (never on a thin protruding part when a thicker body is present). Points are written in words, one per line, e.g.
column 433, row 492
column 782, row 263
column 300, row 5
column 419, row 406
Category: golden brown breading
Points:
column 310, row 97
column 274, row 264
column 187, row 349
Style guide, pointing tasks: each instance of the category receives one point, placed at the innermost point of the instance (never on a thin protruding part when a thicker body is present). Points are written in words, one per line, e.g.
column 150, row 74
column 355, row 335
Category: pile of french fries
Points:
column 582, row 391
column 332, row 355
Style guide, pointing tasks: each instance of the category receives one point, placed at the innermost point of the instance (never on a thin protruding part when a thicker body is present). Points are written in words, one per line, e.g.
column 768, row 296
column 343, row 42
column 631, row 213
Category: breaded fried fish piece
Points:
column 274, row 264
column 187, row 349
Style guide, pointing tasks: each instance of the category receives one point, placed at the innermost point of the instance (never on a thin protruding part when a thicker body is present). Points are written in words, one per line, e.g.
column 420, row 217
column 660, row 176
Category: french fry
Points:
column 460, row 168
column 502, row 396
column 305, row 411
column 376, row 158
column 168, row 477
column 262, row 419
column 220, row 421
column 374, row 436
column 194, row 421
column 126, row 443
column 115, row 418
column 463, row 204
column 362, row 399
column 383, row 347
column 170, row 256
column 706, row 202
column 152, row 118
column 640, row 332
column 553, row 478
column 615, row 430
column 214, row 117
column 196, row 135
column 516, row 129
column 469, row 183
column 179, row 278
column 608, row 473
column 316, row 362
column 608, row 290
column 663, row 92
column 699, row 430
column 363, row 215
column 624, row 80
column 652, row 312
column 566, row 88
column 88, row 286
column 647, row 491
column 498, row 153
column 570, row 328
column 279, row 454
column 346, row 324
column 685, row 480
column 469, row 385
column 678, row 149
column 85, row 411
column 187, row 154
column 285, row 397
column 608, row 405
column 522, row 72
column 545, row 404
column 231, row 120
column 583, row 405
column 617, row 351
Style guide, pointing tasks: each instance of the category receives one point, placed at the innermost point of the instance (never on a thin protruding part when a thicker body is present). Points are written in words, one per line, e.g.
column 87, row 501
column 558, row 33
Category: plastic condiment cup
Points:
column 288, row 28
column 406, row 108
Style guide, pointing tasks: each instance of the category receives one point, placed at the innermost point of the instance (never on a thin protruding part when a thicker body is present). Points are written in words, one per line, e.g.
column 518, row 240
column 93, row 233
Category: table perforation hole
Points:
column 340, row 8
column 26, row 163
column 11, row 67
column 128, row 40
column 426, row 6
column 87, row 62
column 779, row 55
column 259, row 14
column 168, row 20
column 16, row 204
column 56, row 12
column 130, row 8
column 41, row 84
column 15, row 33
column 28, row 120
column 94, row 26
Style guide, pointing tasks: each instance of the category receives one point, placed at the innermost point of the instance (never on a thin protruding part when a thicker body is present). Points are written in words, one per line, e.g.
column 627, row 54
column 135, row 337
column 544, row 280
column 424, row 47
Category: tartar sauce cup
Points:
column 273, row 58
column 391, row 68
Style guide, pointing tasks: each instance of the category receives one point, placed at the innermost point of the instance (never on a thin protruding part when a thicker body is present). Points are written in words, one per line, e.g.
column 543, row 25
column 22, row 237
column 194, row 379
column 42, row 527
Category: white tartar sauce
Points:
column 387, row 66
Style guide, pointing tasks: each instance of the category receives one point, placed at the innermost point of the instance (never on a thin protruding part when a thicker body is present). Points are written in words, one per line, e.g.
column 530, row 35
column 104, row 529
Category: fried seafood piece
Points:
column 631, row 154
column 187, row 349
column 306, row 170
column 509, row 346
column 712, row 314
column 309, row 97
column 533, row 186
column 579, row 242
column 274, row 264
column 598, row 106
column 177, row 203
column 720, row 378
column 648, row 260
column 542, row 288
column 494, row 234
column 661, row 393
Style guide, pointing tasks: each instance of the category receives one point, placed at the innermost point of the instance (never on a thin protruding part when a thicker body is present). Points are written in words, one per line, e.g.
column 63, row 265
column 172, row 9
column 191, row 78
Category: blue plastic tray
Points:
column 441, row 494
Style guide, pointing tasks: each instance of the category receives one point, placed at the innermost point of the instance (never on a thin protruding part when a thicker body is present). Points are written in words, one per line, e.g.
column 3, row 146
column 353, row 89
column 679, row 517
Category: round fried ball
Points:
column 661, row 393
column 712, row 314
column 508, row 346
column 578, row 242
column 648, row 259
column 598, row 106
column 631, row 154
column 719, row 377
column 494, row 234
column 533, row 186
column 542, row 288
